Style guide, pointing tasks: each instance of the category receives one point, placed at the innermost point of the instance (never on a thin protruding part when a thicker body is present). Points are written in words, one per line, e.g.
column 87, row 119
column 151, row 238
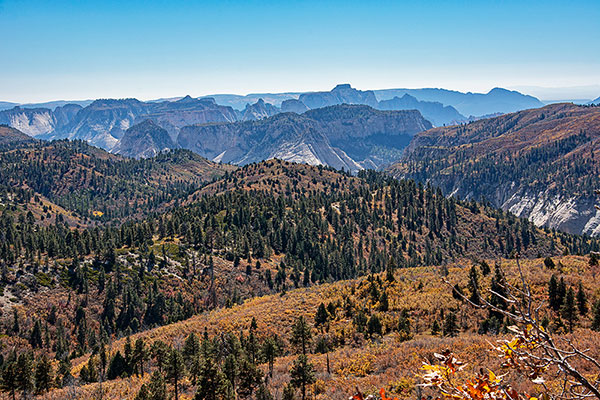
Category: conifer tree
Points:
column 569, row 309
column 474, row 286
column 9, row 375
column 450, row 325
column 302, row 374
column 553, row 299
column 301, row 335
column 596, row 318
column 175, row 370
column 321, row 316
column 582, row 304
column 43, row 375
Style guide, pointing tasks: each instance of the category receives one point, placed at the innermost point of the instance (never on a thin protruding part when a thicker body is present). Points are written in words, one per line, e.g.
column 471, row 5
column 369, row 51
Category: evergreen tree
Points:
column 374, row 326
column 250, row 377
column 596, row 318
column 582, row 303
column 156, row 389
column 553, row 299
column 321, row 316
column 9, row 374
column 450, row 325
column 43, row 375
column 269, row 351
column 569, row 309
column 435, row 328
column 301, row 335
column 25, row 376
column 474, row 286
column 211, row 384
column 175, row 370
column 302, row 374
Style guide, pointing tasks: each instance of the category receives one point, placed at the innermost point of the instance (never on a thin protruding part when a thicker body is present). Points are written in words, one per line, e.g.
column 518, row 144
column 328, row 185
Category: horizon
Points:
column 158, row 49
column 568, row 94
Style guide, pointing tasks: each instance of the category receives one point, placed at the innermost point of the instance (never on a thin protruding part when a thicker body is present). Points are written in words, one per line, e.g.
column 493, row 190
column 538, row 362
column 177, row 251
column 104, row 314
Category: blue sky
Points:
column 151, row 49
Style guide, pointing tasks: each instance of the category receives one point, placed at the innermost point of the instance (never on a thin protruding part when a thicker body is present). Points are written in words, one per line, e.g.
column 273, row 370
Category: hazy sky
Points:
column 150, row 49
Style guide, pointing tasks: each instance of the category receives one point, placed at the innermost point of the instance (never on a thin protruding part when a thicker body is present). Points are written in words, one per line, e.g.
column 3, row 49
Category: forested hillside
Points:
column 541, row 164
column 273, row 227
column 95, row 185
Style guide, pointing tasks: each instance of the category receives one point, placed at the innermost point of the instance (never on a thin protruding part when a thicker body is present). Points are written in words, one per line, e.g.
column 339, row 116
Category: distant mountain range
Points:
column 292, row 128
column 348, row 137
column 542, row 164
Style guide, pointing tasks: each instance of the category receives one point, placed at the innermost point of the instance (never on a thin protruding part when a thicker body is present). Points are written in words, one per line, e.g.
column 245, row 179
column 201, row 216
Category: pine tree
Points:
column 9, row 375
column 374, row 326
column 321, row 316
column 474, row 285
column 569, row 309
column 596, row 319
column 43, row 375
column 269, row 351
column 211, row 384
column 301, row 335
column 435, row 328
column 302, row 374
column 582, row 304
column 450, row 325
column 553, row 293
column 25, row 373
column 175, row 370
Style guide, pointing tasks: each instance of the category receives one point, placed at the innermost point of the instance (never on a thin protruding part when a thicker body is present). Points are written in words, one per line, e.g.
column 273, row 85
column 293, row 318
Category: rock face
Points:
column 341, row 94
column 259, row 110
column 144, row 140
column 344, row 136
column 32, row 121
column 172, row 115
column 104, row 122
column 542, row 164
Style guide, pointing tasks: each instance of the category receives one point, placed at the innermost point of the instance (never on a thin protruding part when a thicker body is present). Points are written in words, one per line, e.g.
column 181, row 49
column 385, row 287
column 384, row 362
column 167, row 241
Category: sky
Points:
column 52, row 50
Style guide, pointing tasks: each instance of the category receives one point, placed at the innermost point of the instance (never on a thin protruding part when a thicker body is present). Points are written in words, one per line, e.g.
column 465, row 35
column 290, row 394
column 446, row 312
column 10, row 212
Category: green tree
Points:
column 154, row 390
column 10, row 374
column 175, row 370
column 25, row 376
column 450, row 325
column 321, row 316
column 302, row 374
column 269, row 351
column 582, row 303
column 211, row 383
column 301, row 335
column 474, row 286
column 44, row 375
column 374, row 326
column 569, row 309
column 596, row 318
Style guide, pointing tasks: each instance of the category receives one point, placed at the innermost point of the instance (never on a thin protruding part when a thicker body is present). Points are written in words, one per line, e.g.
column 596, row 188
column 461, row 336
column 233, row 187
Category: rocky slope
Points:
column 103, row 122
column 32, row 121
column 144, row 140
column 259, row 110
column 344, row 136
column 542, row 164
